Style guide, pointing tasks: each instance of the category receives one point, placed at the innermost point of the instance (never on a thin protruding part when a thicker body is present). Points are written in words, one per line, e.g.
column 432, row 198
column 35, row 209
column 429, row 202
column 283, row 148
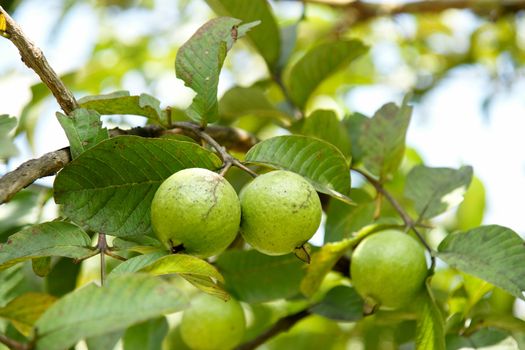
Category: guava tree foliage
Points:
column 463, row 295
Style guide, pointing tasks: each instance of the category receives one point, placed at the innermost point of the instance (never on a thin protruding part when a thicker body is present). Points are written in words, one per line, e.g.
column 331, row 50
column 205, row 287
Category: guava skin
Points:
column 212, row 324
column 280, row 212
column 198, row 209
column 388, row 269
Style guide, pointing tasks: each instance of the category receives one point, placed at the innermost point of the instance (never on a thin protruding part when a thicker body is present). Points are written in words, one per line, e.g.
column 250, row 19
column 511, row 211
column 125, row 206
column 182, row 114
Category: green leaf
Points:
column 121, row 102
column 136, row 263
column 318, row 161
column 435, row 190
column 325, row 125
column 41, row 266
column 92, row 310
column 430, row 330
column 341, row 303
column 104, row 341
column 493, row 253
column 382, row 138
column 47, row 239
column 140, row 244
column 147, row 335
column 63, row 277
column 354, row 126
column 199, row 62
column 83, row 130
column 198, row 272
column 318, row 64
column 471, row 210
column 7, row 147
column 254, row 277
column 26, row 309
column 240, row 101
column 109, row 188
column 264, row 37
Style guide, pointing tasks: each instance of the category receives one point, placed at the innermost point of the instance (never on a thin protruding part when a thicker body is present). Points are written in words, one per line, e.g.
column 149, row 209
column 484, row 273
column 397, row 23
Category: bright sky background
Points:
column 448, row 127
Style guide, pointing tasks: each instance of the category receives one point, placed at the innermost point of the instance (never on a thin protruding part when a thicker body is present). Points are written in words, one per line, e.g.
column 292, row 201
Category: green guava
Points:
column 212, row 324
column 280, row 212
column 388, row 269
column 196, row 211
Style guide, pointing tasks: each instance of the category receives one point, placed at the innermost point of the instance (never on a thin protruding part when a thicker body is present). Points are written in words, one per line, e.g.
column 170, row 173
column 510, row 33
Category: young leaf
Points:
column 430, row 331
column 254, row 277
column 136, row 263
column 83, row 129
column 121, row 102
column 264, row 37
column 341, row 303
column 109, row 188
column 324, row 125
column 435, row 190
column 147, row 335
column 318, row 161
column 199, row 62
column 471, row 210
column 93, row 310
column 493, row 253
column 48, row 239
column 382, row 138
column 318, row 64
column 7, row 147
column 26, row 309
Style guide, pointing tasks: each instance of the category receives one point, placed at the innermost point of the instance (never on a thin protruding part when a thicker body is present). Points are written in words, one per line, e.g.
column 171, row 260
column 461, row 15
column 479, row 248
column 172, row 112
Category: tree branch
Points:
column 34, row 58
column 13, row 344
column 283, row 325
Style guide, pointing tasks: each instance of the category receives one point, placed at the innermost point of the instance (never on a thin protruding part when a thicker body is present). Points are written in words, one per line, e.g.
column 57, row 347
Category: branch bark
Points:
column 34, row 58
column 13, row 344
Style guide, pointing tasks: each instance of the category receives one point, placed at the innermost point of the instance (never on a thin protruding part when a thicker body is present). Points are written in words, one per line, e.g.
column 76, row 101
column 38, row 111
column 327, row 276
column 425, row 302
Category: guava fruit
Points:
column 388, row 269
column 196, row 211
column 280, row 212
column 212, row 324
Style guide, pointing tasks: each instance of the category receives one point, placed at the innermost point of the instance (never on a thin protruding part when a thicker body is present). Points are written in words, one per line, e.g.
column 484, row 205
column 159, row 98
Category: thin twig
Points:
column 283, row 325
column 13, row 344
column 34, row 58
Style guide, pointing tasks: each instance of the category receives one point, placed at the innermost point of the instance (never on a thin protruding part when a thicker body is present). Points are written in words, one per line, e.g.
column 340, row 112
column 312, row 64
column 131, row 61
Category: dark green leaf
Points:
column 110, row 187
column 121, row 102
column 340, row 303
column 26, row 309
column 318, row 64
column 147, row 335
column 382, row 138
column 199, row 62
column 240, row 101
column 264, row 37
column 325, row 125
column 430, row 331
column 435, row 190
column 41, row 266
column 7, row 147
column 254, row 277
column 354, row 127
column 63, row 277
column 492, row 253
column 47, row 239
column 83, row 129
column 90, row 311
column 318, row 161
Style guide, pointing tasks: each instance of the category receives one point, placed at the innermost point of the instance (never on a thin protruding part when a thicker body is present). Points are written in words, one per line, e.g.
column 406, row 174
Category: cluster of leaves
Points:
column 108, row 187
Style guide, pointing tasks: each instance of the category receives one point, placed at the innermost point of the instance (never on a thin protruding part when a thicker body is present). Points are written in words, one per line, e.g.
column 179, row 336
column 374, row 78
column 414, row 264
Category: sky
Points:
column 448, row 127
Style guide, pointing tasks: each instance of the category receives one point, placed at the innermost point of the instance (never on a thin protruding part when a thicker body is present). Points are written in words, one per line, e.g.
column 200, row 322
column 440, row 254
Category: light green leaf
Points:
column 41, row 266
column 318, row 64
column 109, row 188
column 240, row 101
column 83, row 129
column 382, row 138
column 139, row 244
column 435, row 190
column 104, row 341
column 430, row 330
column 325, row 125
column 136, row 263
column 7, row 147
column 254, row 277
column 47, row 239
column 147, row 335
column 493, row 253
column 471, row 210
column 121, row 102
column 199, row 62
column 265, row 37
column 26, row 309
column 341, row 303
column 319, row 162
column 92, row 310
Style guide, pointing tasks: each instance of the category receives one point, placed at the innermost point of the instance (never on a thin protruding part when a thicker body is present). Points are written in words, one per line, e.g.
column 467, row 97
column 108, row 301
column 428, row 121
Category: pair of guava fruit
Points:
column 197, row 211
